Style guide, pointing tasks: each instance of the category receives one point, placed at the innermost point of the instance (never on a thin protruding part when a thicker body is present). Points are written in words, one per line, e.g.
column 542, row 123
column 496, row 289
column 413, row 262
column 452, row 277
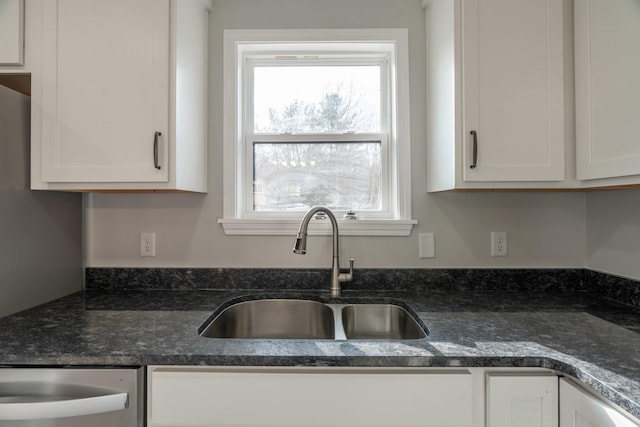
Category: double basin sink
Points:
column 278, row 318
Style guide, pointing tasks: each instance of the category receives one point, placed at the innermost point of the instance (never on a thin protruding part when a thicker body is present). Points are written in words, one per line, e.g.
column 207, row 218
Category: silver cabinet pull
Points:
column 474, row 134
column 28, row 402
column 156, row 162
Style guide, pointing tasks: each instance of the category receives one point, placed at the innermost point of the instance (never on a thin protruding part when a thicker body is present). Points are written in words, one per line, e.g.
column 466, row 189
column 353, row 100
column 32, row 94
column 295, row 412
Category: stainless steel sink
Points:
column 306, row 319
column 274, row 318
column 380, row 321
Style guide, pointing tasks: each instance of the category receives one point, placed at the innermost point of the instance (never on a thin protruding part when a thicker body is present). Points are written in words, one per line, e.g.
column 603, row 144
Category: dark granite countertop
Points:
column 590, row 339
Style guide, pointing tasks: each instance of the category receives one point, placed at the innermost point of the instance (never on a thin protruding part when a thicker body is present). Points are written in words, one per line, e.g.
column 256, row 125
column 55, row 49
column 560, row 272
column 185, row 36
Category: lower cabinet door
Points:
column 306, row 397
column 522, row 401
column 580, row 409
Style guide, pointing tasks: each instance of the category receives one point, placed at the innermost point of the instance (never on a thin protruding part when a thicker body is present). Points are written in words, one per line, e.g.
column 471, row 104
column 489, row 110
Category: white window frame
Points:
column 377, row 59
column 238, row 218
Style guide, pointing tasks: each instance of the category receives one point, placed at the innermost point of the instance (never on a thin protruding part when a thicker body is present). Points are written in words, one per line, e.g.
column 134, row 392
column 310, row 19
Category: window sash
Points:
column 251, row 139
column 251, row 61
column 308, row 59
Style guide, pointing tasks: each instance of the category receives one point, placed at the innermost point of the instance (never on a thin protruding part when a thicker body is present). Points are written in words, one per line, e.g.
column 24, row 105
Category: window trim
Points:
column 235, row 220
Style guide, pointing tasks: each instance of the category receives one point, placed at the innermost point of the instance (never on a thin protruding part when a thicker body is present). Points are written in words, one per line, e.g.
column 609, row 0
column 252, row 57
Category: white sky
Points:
column 277, row 86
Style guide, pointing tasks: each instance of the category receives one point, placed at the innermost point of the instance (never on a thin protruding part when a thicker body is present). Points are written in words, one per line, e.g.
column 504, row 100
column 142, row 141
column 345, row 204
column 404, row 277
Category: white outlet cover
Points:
column 147, row 244
column 498, row 243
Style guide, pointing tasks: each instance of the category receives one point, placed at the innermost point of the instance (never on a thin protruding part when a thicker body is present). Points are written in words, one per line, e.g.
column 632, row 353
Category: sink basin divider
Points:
column 337, row 321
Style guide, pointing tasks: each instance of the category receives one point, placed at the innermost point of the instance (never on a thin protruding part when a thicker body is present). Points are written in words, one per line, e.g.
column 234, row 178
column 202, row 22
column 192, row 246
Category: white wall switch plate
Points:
column 427, row 245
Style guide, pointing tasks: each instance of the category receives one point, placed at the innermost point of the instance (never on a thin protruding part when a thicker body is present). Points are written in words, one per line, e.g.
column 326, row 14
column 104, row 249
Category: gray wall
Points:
column 40, row 232
column 613, row 243
column 545, row 229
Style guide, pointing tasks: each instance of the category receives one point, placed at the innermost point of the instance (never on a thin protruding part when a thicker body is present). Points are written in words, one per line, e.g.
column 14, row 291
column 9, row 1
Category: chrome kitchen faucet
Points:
column 300, row 247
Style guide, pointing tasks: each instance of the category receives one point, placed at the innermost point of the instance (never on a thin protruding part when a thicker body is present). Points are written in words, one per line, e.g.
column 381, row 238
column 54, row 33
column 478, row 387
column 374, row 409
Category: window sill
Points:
column 289, row 227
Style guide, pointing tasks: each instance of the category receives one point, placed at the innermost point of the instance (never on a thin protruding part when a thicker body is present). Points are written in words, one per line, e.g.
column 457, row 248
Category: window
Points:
column 316, row 117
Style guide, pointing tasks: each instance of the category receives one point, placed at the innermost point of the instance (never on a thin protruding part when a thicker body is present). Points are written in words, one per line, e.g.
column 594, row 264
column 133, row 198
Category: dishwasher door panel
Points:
column 70, row 397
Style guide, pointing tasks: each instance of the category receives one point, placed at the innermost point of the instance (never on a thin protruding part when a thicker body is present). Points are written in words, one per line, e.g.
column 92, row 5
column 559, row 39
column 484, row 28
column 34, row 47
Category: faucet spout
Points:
column 300, row 247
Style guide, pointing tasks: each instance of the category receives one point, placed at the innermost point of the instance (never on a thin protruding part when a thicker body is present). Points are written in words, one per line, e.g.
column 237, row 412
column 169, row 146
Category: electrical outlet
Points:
column 426, row 245
column 147, row 244
column 498, row 243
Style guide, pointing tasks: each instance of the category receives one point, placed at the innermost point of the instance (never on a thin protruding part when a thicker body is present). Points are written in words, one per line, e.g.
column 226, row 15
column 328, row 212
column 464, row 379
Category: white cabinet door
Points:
column 580, row 409
column 308, row 397
column 607, row 88
column 496, row 93
column 513, row 83
column 105, row 90
column 11, row 32
column 522, row 401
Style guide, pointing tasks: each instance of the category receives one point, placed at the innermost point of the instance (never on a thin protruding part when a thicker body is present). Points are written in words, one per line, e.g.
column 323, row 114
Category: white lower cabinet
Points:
column 306, row 397
column 581, row 409
column 213, row 396
column 522, row 400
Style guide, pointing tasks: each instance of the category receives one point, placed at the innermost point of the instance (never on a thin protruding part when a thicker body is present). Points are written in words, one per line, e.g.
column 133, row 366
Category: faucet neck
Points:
column 301, row 239
column 301, row 247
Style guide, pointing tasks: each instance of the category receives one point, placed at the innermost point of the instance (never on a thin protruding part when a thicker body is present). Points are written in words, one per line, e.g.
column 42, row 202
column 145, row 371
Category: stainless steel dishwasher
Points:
column 71, row 397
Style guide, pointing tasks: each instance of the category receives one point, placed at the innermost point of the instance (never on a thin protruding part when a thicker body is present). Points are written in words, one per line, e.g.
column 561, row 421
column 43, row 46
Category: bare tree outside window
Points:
column 317, row 99
column 342, row 175
column 296, row 176
column 339, row 111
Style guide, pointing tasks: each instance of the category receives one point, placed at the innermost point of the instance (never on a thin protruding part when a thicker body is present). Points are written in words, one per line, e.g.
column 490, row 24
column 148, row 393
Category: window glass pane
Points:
column 297, row 176
column 317, row 99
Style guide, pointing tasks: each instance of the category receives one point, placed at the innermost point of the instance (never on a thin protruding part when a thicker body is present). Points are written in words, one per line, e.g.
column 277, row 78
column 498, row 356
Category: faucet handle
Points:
column 347, row 277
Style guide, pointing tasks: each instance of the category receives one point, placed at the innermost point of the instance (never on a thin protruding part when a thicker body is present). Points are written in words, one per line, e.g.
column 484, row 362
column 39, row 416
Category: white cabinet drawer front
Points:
column 204, row 398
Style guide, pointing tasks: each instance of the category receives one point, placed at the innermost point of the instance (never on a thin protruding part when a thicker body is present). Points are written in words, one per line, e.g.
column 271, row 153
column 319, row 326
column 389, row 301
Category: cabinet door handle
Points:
column 156, row 138
column 28, row 402
column 474, row 135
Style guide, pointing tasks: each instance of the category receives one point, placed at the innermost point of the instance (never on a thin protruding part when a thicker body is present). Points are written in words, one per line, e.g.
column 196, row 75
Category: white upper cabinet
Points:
column 496, row 93
column 114, row 113
column 11, row 32
column 18, row 27
column 105, row 92
column 607, row 58
column 513, row 90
